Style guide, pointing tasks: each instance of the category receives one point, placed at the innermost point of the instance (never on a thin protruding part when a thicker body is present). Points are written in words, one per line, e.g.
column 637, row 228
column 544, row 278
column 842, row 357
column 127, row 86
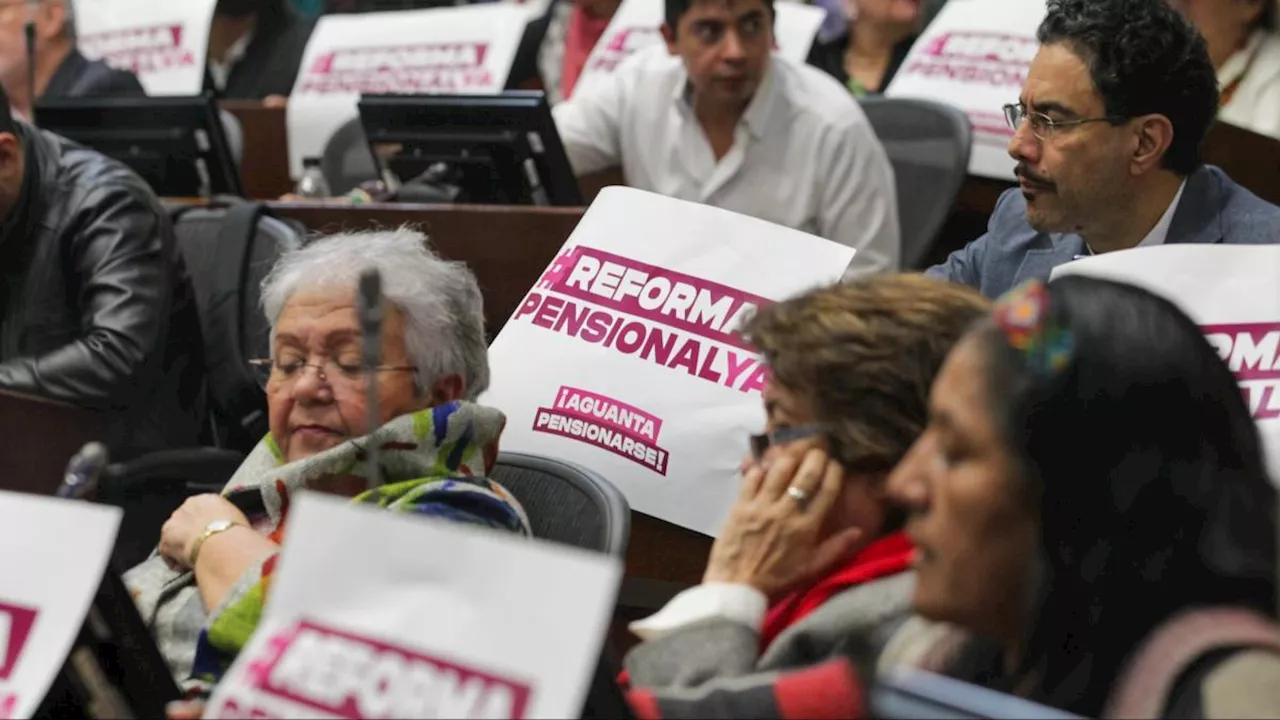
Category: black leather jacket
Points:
column 95, row 305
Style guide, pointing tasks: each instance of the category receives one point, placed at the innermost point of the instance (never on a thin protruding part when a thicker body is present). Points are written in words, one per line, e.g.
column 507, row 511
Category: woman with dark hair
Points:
column 1245, row 48
column 1090, row 475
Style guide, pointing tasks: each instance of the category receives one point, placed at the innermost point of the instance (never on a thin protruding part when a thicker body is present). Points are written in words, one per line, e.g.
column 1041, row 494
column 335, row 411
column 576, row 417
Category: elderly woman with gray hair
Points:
column 203, row 591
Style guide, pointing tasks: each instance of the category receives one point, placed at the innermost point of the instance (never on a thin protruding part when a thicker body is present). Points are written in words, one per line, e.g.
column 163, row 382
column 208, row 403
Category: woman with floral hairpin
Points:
column 1095, row 528
column 1089, row 493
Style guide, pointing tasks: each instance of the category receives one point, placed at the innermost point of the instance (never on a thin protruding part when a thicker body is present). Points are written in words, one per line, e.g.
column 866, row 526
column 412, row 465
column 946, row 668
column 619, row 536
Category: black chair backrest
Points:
column 228, row 251
column 567, row 503
column 570, row 504
column 149, row 488
column 929, row 145
column 347, row 162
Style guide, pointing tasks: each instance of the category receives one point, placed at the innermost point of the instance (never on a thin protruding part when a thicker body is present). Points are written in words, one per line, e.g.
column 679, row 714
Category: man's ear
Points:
column 50, row 18
column 1154, row 135
column 10, row 156
column 669, row 34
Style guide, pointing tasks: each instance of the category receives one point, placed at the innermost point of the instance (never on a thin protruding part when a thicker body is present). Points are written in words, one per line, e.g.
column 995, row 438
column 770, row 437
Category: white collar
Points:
column 1160, row 232
column 1238, row 64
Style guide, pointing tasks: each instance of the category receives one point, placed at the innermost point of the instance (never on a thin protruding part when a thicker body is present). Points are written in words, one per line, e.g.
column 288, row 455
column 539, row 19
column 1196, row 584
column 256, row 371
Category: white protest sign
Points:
column 164, row 43
column 626, row 356
column 974, row 56
column 57, row 554
column 636, row 24
column 456, row 50
column 1230, row 291
column 375, row 614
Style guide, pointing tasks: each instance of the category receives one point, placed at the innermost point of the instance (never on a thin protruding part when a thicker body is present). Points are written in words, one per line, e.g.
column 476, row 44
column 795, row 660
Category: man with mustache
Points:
column 1107, row 136
column 715, row 117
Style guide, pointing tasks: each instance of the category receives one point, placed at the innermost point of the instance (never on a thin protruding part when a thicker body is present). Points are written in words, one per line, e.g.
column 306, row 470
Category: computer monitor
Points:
column 501, row 149
column 177, row 144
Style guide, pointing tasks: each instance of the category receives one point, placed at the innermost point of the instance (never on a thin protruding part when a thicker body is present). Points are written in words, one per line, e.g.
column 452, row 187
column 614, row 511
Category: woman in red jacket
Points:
column 850, row 370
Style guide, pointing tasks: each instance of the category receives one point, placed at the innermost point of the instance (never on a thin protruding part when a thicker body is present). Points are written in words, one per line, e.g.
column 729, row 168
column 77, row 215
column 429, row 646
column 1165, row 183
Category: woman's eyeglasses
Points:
column 281, row 373
column 785, row 436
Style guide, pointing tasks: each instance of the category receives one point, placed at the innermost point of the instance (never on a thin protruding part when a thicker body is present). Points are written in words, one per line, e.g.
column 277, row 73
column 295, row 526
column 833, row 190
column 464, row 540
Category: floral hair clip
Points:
column 1028, row 326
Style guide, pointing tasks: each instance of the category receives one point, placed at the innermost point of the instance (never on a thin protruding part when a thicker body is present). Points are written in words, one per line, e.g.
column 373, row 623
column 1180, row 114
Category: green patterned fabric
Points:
column 433, row 463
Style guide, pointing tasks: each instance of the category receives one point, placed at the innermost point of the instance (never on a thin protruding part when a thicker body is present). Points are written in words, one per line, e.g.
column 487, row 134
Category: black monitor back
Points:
column 177, row 144
column 501, row 149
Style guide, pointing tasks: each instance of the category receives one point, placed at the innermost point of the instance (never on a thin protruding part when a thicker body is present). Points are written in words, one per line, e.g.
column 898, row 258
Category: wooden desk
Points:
column 40, row 436
column 264, row 166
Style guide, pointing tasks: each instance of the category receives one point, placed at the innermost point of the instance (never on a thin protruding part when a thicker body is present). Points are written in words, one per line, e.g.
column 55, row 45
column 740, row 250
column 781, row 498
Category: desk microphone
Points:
column 83, row 472
column 369, row 308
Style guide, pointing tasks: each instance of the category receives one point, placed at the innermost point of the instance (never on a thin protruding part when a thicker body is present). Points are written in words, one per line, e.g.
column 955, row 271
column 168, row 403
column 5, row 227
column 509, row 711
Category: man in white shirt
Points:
column 716, row 117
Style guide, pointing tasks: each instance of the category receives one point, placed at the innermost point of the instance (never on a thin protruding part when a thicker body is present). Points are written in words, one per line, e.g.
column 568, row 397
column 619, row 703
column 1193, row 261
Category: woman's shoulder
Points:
column 1229, row 684
column 1269, row 50
column 1202, row 662
column 1263, row 74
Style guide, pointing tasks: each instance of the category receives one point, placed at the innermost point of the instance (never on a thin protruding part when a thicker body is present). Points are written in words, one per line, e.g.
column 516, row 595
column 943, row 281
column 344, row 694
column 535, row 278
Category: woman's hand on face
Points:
column 190, row 520
column 773, row 542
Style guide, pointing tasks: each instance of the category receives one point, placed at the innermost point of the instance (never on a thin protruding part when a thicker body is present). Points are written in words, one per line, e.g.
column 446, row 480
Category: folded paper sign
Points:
column 382, row 615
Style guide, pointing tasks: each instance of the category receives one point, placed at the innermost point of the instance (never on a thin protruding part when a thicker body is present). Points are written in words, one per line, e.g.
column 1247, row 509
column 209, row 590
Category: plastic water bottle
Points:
column 312, row 184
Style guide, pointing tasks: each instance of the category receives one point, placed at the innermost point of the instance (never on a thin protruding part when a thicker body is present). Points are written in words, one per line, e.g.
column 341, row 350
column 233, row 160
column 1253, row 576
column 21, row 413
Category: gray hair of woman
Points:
column 441, row 303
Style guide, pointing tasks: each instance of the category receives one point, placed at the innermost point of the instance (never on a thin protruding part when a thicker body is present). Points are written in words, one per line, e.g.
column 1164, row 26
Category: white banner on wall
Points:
column 636, row 24
column 385, row 615
column 1230, row 290
column 626, row 356
column 462, row 50
column 57, row 553
column 165, row 43
column 974, row 56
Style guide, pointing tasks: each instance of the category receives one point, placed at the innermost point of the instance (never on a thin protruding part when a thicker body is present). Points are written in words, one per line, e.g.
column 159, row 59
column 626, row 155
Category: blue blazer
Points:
column 1213, row 209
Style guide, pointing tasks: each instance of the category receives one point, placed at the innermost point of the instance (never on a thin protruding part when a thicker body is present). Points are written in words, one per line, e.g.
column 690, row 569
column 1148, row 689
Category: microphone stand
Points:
column 84, row 669
column 29, row 30
column 370, row 309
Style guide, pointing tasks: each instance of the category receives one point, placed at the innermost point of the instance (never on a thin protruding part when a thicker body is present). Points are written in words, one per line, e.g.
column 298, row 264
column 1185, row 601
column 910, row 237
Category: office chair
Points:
column 567, row 503
column 346, row 161
column 928, row 144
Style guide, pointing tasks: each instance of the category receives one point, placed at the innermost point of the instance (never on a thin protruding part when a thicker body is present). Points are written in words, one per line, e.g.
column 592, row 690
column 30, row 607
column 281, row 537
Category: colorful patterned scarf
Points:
column 433, row 463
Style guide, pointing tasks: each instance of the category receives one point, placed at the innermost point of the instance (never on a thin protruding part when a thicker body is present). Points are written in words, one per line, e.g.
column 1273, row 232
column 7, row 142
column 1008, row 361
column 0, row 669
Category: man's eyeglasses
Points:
column 1043, row 126
column 785, row 436
column 281, row 373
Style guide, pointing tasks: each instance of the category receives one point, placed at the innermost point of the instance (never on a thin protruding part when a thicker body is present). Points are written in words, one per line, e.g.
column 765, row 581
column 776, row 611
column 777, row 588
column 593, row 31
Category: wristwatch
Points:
column 210, row 530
